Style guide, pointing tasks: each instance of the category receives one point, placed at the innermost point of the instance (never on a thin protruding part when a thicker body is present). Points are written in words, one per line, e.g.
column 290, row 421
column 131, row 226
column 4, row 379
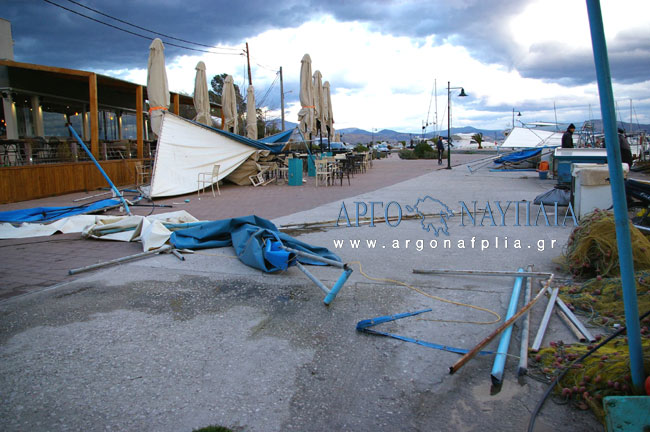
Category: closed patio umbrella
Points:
column 306, row 113
column 318, row 101
column 251, row 114
column 329, row 120
column 201, row 96
column 229, row 102
column 157, row 87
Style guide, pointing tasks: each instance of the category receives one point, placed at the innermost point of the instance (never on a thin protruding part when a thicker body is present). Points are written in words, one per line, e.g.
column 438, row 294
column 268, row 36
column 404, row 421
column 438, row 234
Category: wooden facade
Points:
column 21, row 183
column 93, row 92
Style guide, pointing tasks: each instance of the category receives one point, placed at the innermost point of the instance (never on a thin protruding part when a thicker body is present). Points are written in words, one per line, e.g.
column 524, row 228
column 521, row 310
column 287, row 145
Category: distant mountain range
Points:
column 355, row 135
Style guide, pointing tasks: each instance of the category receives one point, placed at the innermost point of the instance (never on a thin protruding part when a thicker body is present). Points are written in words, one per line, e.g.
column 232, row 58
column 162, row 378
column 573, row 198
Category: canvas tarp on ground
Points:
column 187, row 148
column 527, row 138
column 251, row 237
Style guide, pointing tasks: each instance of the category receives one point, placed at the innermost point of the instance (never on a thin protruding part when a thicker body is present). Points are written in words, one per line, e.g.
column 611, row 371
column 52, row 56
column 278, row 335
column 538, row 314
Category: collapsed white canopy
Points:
column 527, row 138
column 186, row 149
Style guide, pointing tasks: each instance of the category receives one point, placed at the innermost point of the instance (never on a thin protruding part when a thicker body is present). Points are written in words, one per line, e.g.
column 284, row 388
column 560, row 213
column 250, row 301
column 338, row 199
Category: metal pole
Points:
column 608, row 113
column 282, row 97
column 99, row 167
column 467, row 357
column 504, row 342
column 545, row 319
column 522, row 369
column 448, row 125
column 483, row 273
column 574, row 320
column 165, row 248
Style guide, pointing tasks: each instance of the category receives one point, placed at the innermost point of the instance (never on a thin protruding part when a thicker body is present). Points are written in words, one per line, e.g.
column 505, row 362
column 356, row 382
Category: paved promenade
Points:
column 35, row 263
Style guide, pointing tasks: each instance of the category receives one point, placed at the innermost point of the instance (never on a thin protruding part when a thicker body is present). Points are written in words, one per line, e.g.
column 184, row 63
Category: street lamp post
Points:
column 513, row 117
column 461, row 94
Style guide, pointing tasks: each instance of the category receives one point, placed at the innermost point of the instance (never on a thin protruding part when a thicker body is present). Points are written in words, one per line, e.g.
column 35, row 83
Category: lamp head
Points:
column 519, row 114
column 462, row 92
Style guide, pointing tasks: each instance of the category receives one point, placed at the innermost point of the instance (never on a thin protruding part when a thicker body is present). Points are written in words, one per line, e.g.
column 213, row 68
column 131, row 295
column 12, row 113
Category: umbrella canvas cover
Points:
column 201, row 96
column 157, row 87
column 318, row 101
column 306, row 113
column 229, row 102
column 329, row 121
column 251, row 114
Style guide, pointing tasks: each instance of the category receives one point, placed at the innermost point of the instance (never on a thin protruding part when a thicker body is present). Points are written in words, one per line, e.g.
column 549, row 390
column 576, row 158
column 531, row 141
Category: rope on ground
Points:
column 418, row 290
column 434, row 297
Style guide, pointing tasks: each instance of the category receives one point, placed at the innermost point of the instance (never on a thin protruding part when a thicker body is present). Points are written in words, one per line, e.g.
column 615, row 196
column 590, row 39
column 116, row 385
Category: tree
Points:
column 478, row 138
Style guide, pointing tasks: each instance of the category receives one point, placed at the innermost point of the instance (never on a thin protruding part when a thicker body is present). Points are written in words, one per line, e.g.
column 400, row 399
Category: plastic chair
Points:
column 142, row 174
column 323, row 172
column 210, row 178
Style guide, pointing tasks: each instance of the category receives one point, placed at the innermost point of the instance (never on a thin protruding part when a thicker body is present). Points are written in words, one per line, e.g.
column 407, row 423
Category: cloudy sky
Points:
column 383, row 58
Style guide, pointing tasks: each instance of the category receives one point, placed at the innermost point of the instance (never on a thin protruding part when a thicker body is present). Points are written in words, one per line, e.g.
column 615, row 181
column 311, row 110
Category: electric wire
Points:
column 147, row 30
column 134, row 33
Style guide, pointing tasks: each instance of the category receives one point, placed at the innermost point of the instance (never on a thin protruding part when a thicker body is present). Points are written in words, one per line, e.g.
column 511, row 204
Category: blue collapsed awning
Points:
column 46, row 214
column 255, row 240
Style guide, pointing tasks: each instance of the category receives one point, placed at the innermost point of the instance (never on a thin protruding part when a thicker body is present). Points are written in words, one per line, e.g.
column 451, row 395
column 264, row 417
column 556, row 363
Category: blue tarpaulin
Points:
column 279, row 138
column 518, row 156
column 256, row 242
column 47, row 214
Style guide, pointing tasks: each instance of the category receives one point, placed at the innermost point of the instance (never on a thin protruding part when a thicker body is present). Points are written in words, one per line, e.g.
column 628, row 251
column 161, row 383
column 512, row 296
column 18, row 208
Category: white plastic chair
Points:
column 210, row 178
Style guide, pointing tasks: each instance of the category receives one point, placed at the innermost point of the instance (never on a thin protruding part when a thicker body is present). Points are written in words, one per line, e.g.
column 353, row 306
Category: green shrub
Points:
column 360, row 148
column 421, row 149
column 407, row 154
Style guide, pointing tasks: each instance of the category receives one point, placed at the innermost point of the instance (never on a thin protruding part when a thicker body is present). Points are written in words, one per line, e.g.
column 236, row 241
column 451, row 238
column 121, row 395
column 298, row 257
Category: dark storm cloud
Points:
column 47, row 34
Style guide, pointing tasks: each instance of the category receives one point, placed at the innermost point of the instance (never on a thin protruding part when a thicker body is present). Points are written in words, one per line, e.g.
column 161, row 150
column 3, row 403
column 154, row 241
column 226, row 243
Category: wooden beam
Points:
column 37, row 67
column 139, row 101
column 177, row 103
column 94, row 115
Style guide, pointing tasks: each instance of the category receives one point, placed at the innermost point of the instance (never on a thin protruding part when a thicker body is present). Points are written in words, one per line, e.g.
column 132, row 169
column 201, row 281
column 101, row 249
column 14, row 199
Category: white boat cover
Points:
column 186, row 149
column 527, row 138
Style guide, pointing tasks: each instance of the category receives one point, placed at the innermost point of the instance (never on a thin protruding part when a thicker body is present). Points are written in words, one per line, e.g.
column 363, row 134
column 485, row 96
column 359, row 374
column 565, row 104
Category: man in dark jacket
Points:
column 441, row 148
column 567, row 137
column 626, row 152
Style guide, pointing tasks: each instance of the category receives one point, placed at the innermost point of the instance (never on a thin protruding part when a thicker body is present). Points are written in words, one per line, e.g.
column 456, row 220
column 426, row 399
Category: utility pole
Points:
column 282, row 97
column 248, row 60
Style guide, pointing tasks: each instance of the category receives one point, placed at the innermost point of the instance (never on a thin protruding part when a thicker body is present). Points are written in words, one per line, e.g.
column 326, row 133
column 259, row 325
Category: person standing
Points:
column 567, row 137
column 441, row 149
column 626, row 152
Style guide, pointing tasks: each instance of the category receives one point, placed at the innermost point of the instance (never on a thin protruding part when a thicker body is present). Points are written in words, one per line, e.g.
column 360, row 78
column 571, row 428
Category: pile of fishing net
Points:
column 592, row 249
column 606, row 372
